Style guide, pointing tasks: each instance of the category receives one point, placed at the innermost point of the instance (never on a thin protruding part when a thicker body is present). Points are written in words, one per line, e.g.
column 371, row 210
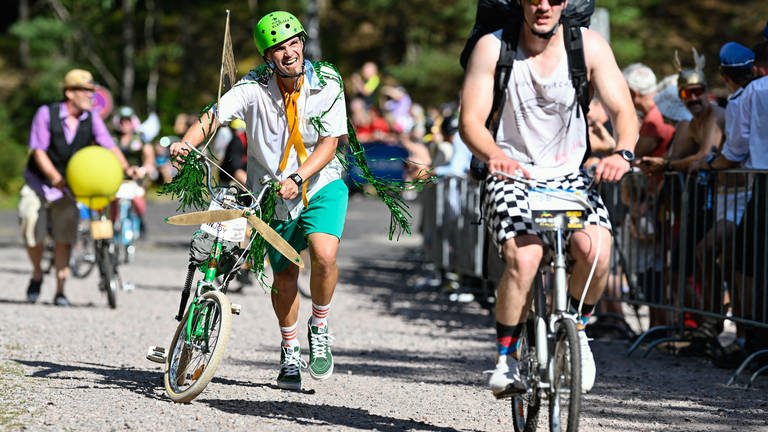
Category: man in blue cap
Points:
column 747, row 144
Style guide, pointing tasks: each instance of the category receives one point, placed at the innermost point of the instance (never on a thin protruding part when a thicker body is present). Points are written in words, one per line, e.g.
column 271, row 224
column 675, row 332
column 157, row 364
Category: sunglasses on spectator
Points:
column 690, row 92
column 551, row 2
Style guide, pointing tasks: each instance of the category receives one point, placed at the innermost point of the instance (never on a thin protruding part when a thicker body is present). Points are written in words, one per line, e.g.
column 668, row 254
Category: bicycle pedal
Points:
column 235, row 308
column 156, row 354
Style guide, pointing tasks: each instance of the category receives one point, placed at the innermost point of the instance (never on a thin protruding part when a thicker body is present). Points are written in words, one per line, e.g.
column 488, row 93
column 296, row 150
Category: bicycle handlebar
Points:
column 230, row 200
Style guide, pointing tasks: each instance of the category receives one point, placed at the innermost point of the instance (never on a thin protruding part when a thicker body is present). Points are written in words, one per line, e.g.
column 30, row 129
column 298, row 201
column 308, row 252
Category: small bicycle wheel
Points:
column 525, row 407
column 83, row 257
column 565, row 390
column 109, row 278
column 193, row 358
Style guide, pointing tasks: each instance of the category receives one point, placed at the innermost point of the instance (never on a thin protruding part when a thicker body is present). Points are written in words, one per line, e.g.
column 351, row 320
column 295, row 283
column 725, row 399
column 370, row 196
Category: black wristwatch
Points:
column 296, row 179
column 626, row 154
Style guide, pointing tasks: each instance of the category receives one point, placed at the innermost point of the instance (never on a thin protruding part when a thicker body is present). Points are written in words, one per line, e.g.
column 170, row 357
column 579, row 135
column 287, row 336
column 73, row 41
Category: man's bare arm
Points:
column 476, row 104
column 196, row 134
column 607, row 78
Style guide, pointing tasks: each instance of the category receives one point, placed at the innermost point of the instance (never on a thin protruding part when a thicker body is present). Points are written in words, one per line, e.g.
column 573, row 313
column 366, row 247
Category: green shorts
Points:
column 326, row 213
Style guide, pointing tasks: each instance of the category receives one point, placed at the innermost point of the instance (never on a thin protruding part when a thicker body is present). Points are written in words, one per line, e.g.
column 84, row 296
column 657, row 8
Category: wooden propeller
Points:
column 270, row 235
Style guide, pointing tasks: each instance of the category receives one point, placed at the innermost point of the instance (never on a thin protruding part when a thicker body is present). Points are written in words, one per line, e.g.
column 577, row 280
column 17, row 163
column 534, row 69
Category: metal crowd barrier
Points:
column 690, row 247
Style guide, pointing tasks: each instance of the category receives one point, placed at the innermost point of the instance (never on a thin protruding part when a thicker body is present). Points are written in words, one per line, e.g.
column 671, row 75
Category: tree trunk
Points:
column 154, row 63
column 313, row 31
column 87, row 45
column 129, row 49
column 23, row 42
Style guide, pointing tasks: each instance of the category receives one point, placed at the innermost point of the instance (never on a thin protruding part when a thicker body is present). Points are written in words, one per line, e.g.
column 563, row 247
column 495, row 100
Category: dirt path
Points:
column 406, row 359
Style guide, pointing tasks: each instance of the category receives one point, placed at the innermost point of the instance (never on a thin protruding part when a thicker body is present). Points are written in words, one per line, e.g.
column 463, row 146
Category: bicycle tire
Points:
column 526, row 407
column 566, row 383
column 82, row 260
column 109, row 281
column 49, row 254
column 181, row 356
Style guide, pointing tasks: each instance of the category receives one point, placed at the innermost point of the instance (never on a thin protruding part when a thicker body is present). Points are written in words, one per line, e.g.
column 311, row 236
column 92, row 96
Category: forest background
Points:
column 164, row 56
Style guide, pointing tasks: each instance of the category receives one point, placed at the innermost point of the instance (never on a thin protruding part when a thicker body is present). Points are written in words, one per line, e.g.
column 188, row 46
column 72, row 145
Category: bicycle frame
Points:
column 555, row 284
column 204, row 285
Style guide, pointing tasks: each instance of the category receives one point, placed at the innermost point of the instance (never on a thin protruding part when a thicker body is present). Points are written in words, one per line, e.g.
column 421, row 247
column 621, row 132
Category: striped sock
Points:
column 587, row 310
column 320, row 315
column 507, row 338
column 290, row 336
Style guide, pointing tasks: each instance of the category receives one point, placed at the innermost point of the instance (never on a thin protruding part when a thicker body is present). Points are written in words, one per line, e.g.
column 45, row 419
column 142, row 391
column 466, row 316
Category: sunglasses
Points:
column 551, row 2
column 690, row 92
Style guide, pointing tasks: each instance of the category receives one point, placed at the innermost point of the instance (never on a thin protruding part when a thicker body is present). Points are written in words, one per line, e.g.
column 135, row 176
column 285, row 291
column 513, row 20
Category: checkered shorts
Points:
column 508, row 215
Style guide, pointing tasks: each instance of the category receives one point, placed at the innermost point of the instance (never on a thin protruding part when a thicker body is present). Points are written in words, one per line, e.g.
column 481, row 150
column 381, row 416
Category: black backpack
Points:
column 507, row 15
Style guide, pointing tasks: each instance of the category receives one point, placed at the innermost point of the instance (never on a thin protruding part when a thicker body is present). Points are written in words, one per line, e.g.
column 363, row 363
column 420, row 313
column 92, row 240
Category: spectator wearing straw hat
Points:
column 58, row 130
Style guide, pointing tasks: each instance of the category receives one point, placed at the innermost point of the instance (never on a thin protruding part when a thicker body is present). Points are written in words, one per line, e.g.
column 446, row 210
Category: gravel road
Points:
column 406, row 358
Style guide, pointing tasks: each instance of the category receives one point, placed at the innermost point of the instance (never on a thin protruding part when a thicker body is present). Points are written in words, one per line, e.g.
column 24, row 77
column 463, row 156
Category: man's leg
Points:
column 584, row 251
column 64, row 216
column 522, row 255
column 33, row 224
column 285, row 303
column 323, row 277
column 61, row 255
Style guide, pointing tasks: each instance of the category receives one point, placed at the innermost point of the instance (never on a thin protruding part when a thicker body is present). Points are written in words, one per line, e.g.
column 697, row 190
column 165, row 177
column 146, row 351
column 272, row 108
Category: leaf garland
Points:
column 258, row 249
column 188, row 185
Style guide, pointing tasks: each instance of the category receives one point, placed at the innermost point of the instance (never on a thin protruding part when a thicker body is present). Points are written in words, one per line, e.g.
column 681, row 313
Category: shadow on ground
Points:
column 305, row 414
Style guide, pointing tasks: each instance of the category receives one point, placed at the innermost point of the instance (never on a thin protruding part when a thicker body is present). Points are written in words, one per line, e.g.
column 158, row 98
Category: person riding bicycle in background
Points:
column 295, row 113
column 59, row 130
column 541, row 136
column 138, row 152
column 235, row 160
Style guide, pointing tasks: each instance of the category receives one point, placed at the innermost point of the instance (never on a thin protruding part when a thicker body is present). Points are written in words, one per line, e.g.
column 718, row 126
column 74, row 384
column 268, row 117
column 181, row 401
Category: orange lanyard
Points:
column 294, row 136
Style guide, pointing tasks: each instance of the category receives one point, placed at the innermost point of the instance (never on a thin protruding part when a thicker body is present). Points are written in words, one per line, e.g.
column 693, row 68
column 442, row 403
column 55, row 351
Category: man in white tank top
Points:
column 542, row 136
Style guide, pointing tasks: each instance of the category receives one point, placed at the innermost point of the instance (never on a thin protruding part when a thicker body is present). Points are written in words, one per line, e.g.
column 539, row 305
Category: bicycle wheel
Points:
column 83, row 257
column 109, row 282
column 565, row 390
column 525, row 407
column 192, row 364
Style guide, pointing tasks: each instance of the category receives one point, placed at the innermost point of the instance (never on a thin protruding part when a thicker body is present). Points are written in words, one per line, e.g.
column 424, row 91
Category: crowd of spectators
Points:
column 688, row 137
column 384, row 114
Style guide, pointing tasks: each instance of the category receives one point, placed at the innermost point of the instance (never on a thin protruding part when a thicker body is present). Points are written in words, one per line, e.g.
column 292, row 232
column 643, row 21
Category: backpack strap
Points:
column 577, row 68
column 507, row 54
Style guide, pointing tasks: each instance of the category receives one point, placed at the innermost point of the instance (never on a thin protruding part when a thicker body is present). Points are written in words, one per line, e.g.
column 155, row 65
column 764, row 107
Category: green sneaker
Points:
column 320, row 357
column 289, row 377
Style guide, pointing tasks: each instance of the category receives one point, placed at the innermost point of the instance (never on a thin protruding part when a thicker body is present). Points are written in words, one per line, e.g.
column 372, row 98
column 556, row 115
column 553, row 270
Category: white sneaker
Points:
column 588, row 369
column 505, row 379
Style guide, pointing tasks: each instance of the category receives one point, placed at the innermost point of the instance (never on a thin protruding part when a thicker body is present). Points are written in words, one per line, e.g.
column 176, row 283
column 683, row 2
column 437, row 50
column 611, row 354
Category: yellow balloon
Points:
column 94, row 174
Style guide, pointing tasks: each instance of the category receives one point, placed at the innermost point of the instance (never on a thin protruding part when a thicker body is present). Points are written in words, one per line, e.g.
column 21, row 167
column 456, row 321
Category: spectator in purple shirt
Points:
column 46, row 206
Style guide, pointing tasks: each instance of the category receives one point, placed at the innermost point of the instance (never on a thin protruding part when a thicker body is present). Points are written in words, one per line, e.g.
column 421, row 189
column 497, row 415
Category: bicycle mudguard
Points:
column 270, row 235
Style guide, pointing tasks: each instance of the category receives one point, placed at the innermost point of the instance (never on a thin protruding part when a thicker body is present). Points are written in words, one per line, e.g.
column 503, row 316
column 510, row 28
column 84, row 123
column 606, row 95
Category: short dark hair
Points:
column 761, row 54
column 740, row 75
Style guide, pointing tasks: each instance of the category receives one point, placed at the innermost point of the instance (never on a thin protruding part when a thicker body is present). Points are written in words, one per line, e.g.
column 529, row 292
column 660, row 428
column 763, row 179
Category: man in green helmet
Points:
column 295, row 113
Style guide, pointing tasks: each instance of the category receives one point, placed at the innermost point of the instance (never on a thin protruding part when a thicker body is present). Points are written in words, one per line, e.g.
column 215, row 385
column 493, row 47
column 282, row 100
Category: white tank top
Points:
column 541, row 125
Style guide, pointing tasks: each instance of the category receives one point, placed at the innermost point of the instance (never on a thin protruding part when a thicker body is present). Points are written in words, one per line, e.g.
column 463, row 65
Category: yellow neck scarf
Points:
column 291, row 97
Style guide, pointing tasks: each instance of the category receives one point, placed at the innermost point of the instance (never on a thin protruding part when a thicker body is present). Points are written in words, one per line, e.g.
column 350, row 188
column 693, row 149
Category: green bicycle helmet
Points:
column 275, row 28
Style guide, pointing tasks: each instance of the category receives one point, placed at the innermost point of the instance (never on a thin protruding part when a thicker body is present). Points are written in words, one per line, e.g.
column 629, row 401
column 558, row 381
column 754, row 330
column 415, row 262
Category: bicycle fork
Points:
column 558, row 284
